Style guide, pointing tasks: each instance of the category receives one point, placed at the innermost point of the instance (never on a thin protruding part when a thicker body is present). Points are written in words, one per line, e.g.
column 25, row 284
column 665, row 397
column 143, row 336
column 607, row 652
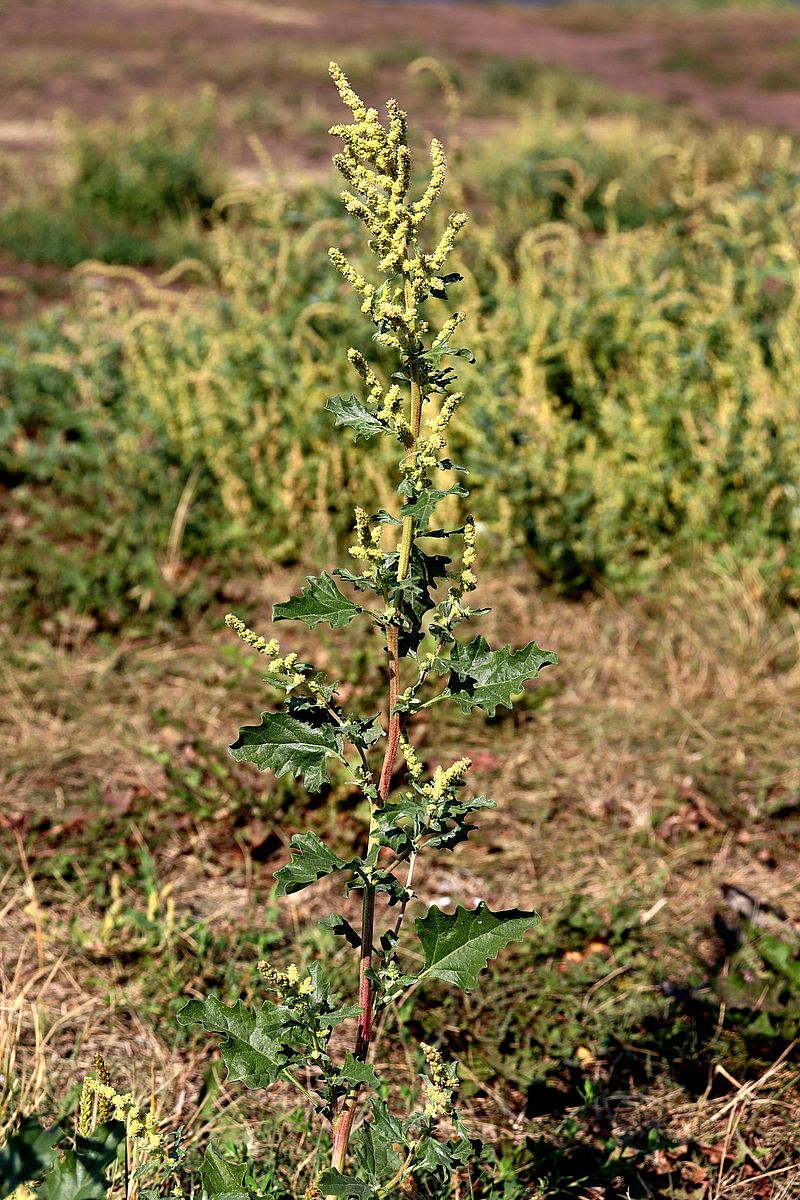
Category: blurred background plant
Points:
column 636, row 307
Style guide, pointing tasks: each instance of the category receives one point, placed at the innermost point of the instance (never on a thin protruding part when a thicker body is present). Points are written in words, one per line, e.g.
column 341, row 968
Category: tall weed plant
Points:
column 410, row 580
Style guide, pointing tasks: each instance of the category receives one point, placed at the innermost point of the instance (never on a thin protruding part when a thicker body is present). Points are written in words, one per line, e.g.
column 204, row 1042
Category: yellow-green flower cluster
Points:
column 376, row 162
column 288, row 984
column 374, row 385
column 435, row 261
column 413, row 764
column 443, row 780
column 467, row 579
column 356, row 280
column 258, row 643
column 367, row 548
column 94, row 1109
column 440, row 1084
column 142, row 1126
column 284, row 665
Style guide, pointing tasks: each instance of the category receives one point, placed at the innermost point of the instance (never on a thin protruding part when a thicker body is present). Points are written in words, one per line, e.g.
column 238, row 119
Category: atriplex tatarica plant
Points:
column 415, row 598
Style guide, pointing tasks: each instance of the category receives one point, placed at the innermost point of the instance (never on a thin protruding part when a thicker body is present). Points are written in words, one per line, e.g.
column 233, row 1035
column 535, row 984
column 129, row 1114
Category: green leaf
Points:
column 311, row 860
column 320, row 601
column 80, row 1175
column 491, row 677
column 354, row 1071
column 381, row 1144
column 283, row 744
column 342, row 928
column 253, row 1043
column 355, row 413
column 332, row 1183
column 222, row 1178
column 26, row 1155
column 69, row 1179
column 458, row 946
column 423, row 505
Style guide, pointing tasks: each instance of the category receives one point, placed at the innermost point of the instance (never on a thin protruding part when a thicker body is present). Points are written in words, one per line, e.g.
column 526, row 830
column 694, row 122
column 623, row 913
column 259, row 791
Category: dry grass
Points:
column 651, row 771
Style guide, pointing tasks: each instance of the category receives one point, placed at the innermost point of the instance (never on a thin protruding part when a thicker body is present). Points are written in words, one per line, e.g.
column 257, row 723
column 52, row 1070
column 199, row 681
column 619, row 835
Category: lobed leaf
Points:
column 253, row 1043
column 283, row 744
column 359, row 416
column 311, row 860
column 425, row 502
column 355, row 1071
column 332, row 1183
column 458, row 946
column 491, row 677
column 320, row 601
column 381, row 1143
column 222, row 1178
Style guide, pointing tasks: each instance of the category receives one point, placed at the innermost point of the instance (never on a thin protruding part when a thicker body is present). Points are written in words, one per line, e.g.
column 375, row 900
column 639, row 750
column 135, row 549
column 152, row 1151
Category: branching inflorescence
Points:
column 415, row 597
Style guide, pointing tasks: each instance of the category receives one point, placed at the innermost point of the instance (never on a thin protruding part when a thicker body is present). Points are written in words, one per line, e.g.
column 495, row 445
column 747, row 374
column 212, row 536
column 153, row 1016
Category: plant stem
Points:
column 343, row 1123
column 416, row 416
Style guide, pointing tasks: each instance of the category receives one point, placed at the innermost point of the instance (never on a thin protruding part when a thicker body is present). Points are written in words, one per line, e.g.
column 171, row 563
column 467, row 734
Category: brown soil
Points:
column 93, row 57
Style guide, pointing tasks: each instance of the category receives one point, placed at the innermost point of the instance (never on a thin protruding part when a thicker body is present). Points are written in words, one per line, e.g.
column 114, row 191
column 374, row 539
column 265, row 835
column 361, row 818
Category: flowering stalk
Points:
column 415, row 599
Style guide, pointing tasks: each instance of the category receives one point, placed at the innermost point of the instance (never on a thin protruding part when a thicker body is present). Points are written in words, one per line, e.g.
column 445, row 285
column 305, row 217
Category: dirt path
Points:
column 93, row 57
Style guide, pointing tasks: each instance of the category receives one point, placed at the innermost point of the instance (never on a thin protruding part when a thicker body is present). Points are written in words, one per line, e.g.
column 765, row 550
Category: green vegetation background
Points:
column 633, row 291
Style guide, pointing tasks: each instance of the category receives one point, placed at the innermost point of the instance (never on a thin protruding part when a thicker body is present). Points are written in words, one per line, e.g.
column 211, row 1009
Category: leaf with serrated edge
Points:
column 311, row 860
column 458, row 946
column 253, row 1043
column 221, row 1177
column 355, row 1071
column 332, row 1183
column 320, row 601
column 349, row 410
column 281, row 744
column 492, row 677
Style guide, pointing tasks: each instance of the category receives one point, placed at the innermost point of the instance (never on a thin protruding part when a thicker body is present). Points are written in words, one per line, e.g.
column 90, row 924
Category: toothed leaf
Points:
column 332, row 1183
column 311, row 860
column 349, row 410
column 283, row 744
column 483, row 678
column 458, row 946
column 354, row 1071
column 222, row 1178
column 320, row 601
column 253, row 1043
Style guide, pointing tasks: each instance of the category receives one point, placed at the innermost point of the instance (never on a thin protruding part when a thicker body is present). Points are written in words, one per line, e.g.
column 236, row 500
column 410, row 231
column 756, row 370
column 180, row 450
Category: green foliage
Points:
column 415, row 600
column 253, row 1042
column 457, row 947
column 138, row 191
column 282, row 743
column 320, row 601
column 311, row 860
column 79, row 1173
column 26, row 1155
column 632, row 306
column 491, row 677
